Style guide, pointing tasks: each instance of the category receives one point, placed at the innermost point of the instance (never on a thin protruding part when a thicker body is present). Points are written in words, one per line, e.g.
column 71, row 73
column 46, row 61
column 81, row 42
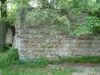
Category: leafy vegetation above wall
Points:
column 54, row 12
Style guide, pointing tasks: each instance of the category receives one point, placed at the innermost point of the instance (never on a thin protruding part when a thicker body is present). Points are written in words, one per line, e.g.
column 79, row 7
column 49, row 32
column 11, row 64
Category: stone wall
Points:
column 9, row 36
column 34, row 41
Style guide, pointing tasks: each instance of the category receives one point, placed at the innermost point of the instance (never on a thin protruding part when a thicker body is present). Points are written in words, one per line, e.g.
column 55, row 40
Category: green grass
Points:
column 83, row 59
column 9, row 66
column 35, row 71
column 76, row 59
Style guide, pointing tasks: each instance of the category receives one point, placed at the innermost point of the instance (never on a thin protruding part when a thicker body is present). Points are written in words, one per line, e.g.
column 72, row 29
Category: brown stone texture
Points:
column 34, row 41
column 31, row 43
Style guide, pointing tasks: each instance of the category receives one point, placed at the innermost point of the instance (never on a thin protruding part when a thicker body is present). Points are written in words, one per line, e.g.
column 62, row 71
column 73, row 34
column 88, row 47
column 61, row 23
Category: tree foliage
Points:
column 57, row 12
column 3, row 23
column 61, row 14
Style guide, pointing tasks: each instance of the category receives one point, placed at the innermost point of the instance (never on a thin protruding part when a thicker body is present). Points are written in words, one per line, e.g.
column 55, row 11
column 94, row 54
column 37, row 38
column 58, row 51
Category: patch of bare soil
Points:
column 80, row 64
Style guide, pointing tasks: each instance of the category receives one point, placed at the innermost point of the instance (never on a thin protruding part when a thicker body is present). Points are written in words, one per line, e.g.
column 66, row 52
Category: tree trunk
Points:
column 3, row 26
column 2, row 35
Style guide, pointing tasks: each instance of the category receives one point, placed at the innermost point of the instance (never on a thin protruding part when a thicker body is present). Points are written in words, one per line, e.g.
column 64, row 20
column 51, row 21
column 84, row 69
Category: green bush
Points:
column 13, row 56
column 83, row 59
column 36, row 63
column 90, row 26
column 58, row 60
column 76, row 59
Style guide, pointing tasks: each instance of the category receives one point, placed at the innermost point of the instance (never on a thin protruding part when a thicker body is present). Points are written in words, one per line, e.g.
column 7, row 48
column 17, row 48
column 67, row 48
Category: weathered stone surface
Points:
column 36, row 41
column 9, row 37
column 32, row 45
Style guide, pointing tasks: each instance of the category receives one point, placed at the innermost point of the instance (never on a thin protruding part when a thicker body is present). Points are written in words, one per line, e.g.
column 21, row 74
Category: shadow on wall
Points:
column 9, row 35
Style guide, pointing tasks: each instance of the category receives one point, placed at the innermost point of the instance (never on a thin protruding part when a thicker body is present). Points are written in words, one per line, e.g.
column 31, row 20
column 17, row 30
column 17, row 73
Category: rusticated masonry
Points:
column 35, row 41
